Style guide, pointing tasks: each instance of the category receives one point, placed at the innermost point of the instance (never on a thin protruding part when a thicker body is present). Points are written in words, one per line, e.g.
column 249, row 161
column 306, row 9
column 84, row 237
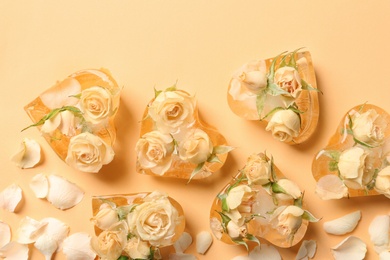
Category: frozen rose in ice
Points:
column 238, row 195
column 351, row 166
column 257, row 169
column 382, row 183
column 105, row 218
column 172, row 110
column 154, row 150
column 137, row 249
column 288, row 79
column 196, row 147
column 88, row 152
column 234, row 230
column 284, row 125
column 289, row 220
column 368, row 127
column 65, row 122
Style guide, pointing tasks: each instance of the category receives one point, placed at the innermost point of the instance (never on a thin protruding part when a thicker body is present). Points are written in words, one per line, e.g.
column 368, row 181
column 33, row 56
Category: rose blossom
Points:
column 288, row 79
column 239, row 195
column 196, row 147
column 105, row 218
column 290, row 188
column 289, row 220
column 257, row 169
column 65, row 122
column 351, row 166
column 368, row 127
column 236, row 231
column 284, row 125
column 172, row 110
column 382, row 183
column 96, row 103
column 88, row 152
column 154, row 151
column 154, row 220
column 137, row 249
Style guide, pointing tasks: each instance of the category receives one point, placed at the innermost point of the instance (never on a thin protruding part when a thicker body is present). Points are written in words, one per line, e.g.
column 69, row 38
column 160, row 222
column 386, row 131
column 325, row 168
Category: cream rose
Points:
column 289, row 220
column 172, row 110
column 96, row 104
column 253, row 76
column 88, row 152
column 236, row 231
column 382, row 183
column 110, row 243
column 154, row 150
column 105, row 218
column 196, row 147
column 368, row 127
column 65, row 122
column 288, row 79
column 351, row 166
column 238, row 195
column 137, row 249
column 284, row 125
column 290, row 189
column 154, row 220
column 257, row 170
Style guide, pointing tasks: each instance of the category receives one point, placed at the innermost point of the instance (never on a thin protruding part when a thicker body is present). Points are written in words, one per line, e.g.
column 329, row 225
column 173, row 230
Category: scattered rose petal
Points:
column 307, row 250
column 181, row 256
column 27, row 230
column 183, row 243
column 203, row 242
column 379, row 232
column 344, row 224
column 385, row 255
column 265, row 251
column 28, row 154
column 350, row 248
column 39, row 185
column 62, row 193
column 331, row 187
column 78, row 247
column 14, row 251
column 55, row 230
column 46, row 245
column 5, row 234
column 10, row 197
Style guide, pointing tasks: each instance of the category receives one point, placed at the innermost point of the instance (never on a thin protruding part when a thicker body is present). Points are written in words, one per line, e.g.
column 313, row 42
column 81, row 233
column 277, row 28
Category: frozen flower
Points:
column 137, row 249
column 196, row 147
column 257, row 169
column 64, row 121
column 288, row 79
column 382, row 183
column 96, row 104
column 105, row 218
column 368, row 127
column 351, row 166
column 238, row 195
column 251, row 77
column 289, row 220
column 284, row 125
column 236, row 231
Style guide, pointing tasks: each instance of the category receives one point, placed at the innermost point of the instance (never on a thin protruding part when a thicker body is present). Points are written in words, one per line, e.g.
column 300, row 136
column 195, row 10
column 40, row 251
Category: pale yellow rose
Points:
column 236, row 231
column 172, row 110
column 238, row 195
column 382, row 183
column 154, row 220
column 253, row 76
column 289, row 220
column 65, row 122
column 291, row 189
column 195, row 147
column 105, row 218
column 368, row 127
column 257, row 170
column 288, row 79
column 110, row 243
column 154, row 151
column 137, row 249
column 96, row 104
column 351, row 166
column 88, row 152
column 284, row 125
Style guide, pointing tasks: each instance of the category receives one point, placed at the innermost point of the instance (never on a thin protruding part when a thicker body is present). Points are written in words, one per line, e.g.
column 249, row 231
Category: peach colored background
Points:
column 199, row 44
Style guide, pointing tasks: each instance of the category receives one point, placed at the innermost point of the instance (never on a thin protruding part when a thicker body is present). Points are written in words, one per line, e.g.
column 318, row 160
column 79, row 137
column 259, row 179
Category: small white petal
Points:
column 55, row 229
column 203, row 242
column 344, row 224
column 265, row 251
column 183, row 242
column 62, row 193
column 181, row 256
column 39, row 185
column 379, row 232
column 28, row 154
column 14, row 251
column 331, row 187
column 385, row 255
column 10, row 197
column 307, row 250
column 5, row 234
column 78, row 247
column 350, row 248
column 28, row 230
column 46, row 245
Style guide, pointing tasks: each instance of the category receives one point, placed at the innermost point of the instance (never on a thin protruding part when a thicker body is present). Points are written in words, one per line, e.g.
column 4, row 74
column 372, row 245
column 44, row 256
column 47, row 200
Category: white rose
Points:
column 96, row 104
column 236, row 231
column 289, row 220
column 196, row 147
column 137, row 249
column 154, row 220
column 382, row 183
column 284, row 125
column 238, row 195
column 351, row 166
column 253, row 76
column 368, row 127
column 105, row 218
column 110, row 243
column 172, row 110
column 290, row 188
column 65, row 122
column 88, row 152
column 154, row 151
column 257, row 169
column 288, row 79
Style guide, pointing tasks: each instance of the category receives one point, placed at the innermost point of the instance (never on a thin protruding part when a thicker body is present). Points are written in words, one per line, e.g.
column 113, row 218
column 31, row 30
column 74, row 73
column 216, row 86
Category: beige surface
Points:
column 147, row 44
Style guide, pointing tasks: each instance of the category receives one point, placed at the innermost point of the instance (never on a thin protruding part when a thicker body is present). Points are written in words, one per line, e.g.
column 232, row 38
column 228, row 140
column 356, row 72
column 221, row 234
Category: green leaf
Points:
column 363, row 143
column 123, row 211
column 276, row 188
column 221, row 149
column 271, row 73
column 172, row 88
column 241, row 242
column 308, row 216
column 275, row 90
column 333, row 166
column 260, row 101
column 292, row 62
column 252, row 238
column 123, row 257
column 272, row 112
column 307, row 86
column 213, row 158
column 197, row 169
column 298, row 202
column 240, row 179
column 157, row 92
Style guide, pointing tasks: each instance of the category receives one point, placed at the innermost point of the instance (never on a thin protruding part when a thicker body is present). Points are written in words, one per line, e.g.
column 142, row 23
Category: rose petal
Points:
column 10, row 197
column 40, row 185
column 235, row 195
column 350, row 248
column 307, row 250
column 203, row 242
column 181, row 256
column 183, row 242
column 265, row 251
column 27, row 230
column 55, row 230
column 28, row 154
column 5, row 232
column 379, row 232
column 78, row 247
column 46, row 245
column 344, row 224
column 331, row 187
column 61, row 94
column 14, row 251
column 62, row 193
column 385, row 255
